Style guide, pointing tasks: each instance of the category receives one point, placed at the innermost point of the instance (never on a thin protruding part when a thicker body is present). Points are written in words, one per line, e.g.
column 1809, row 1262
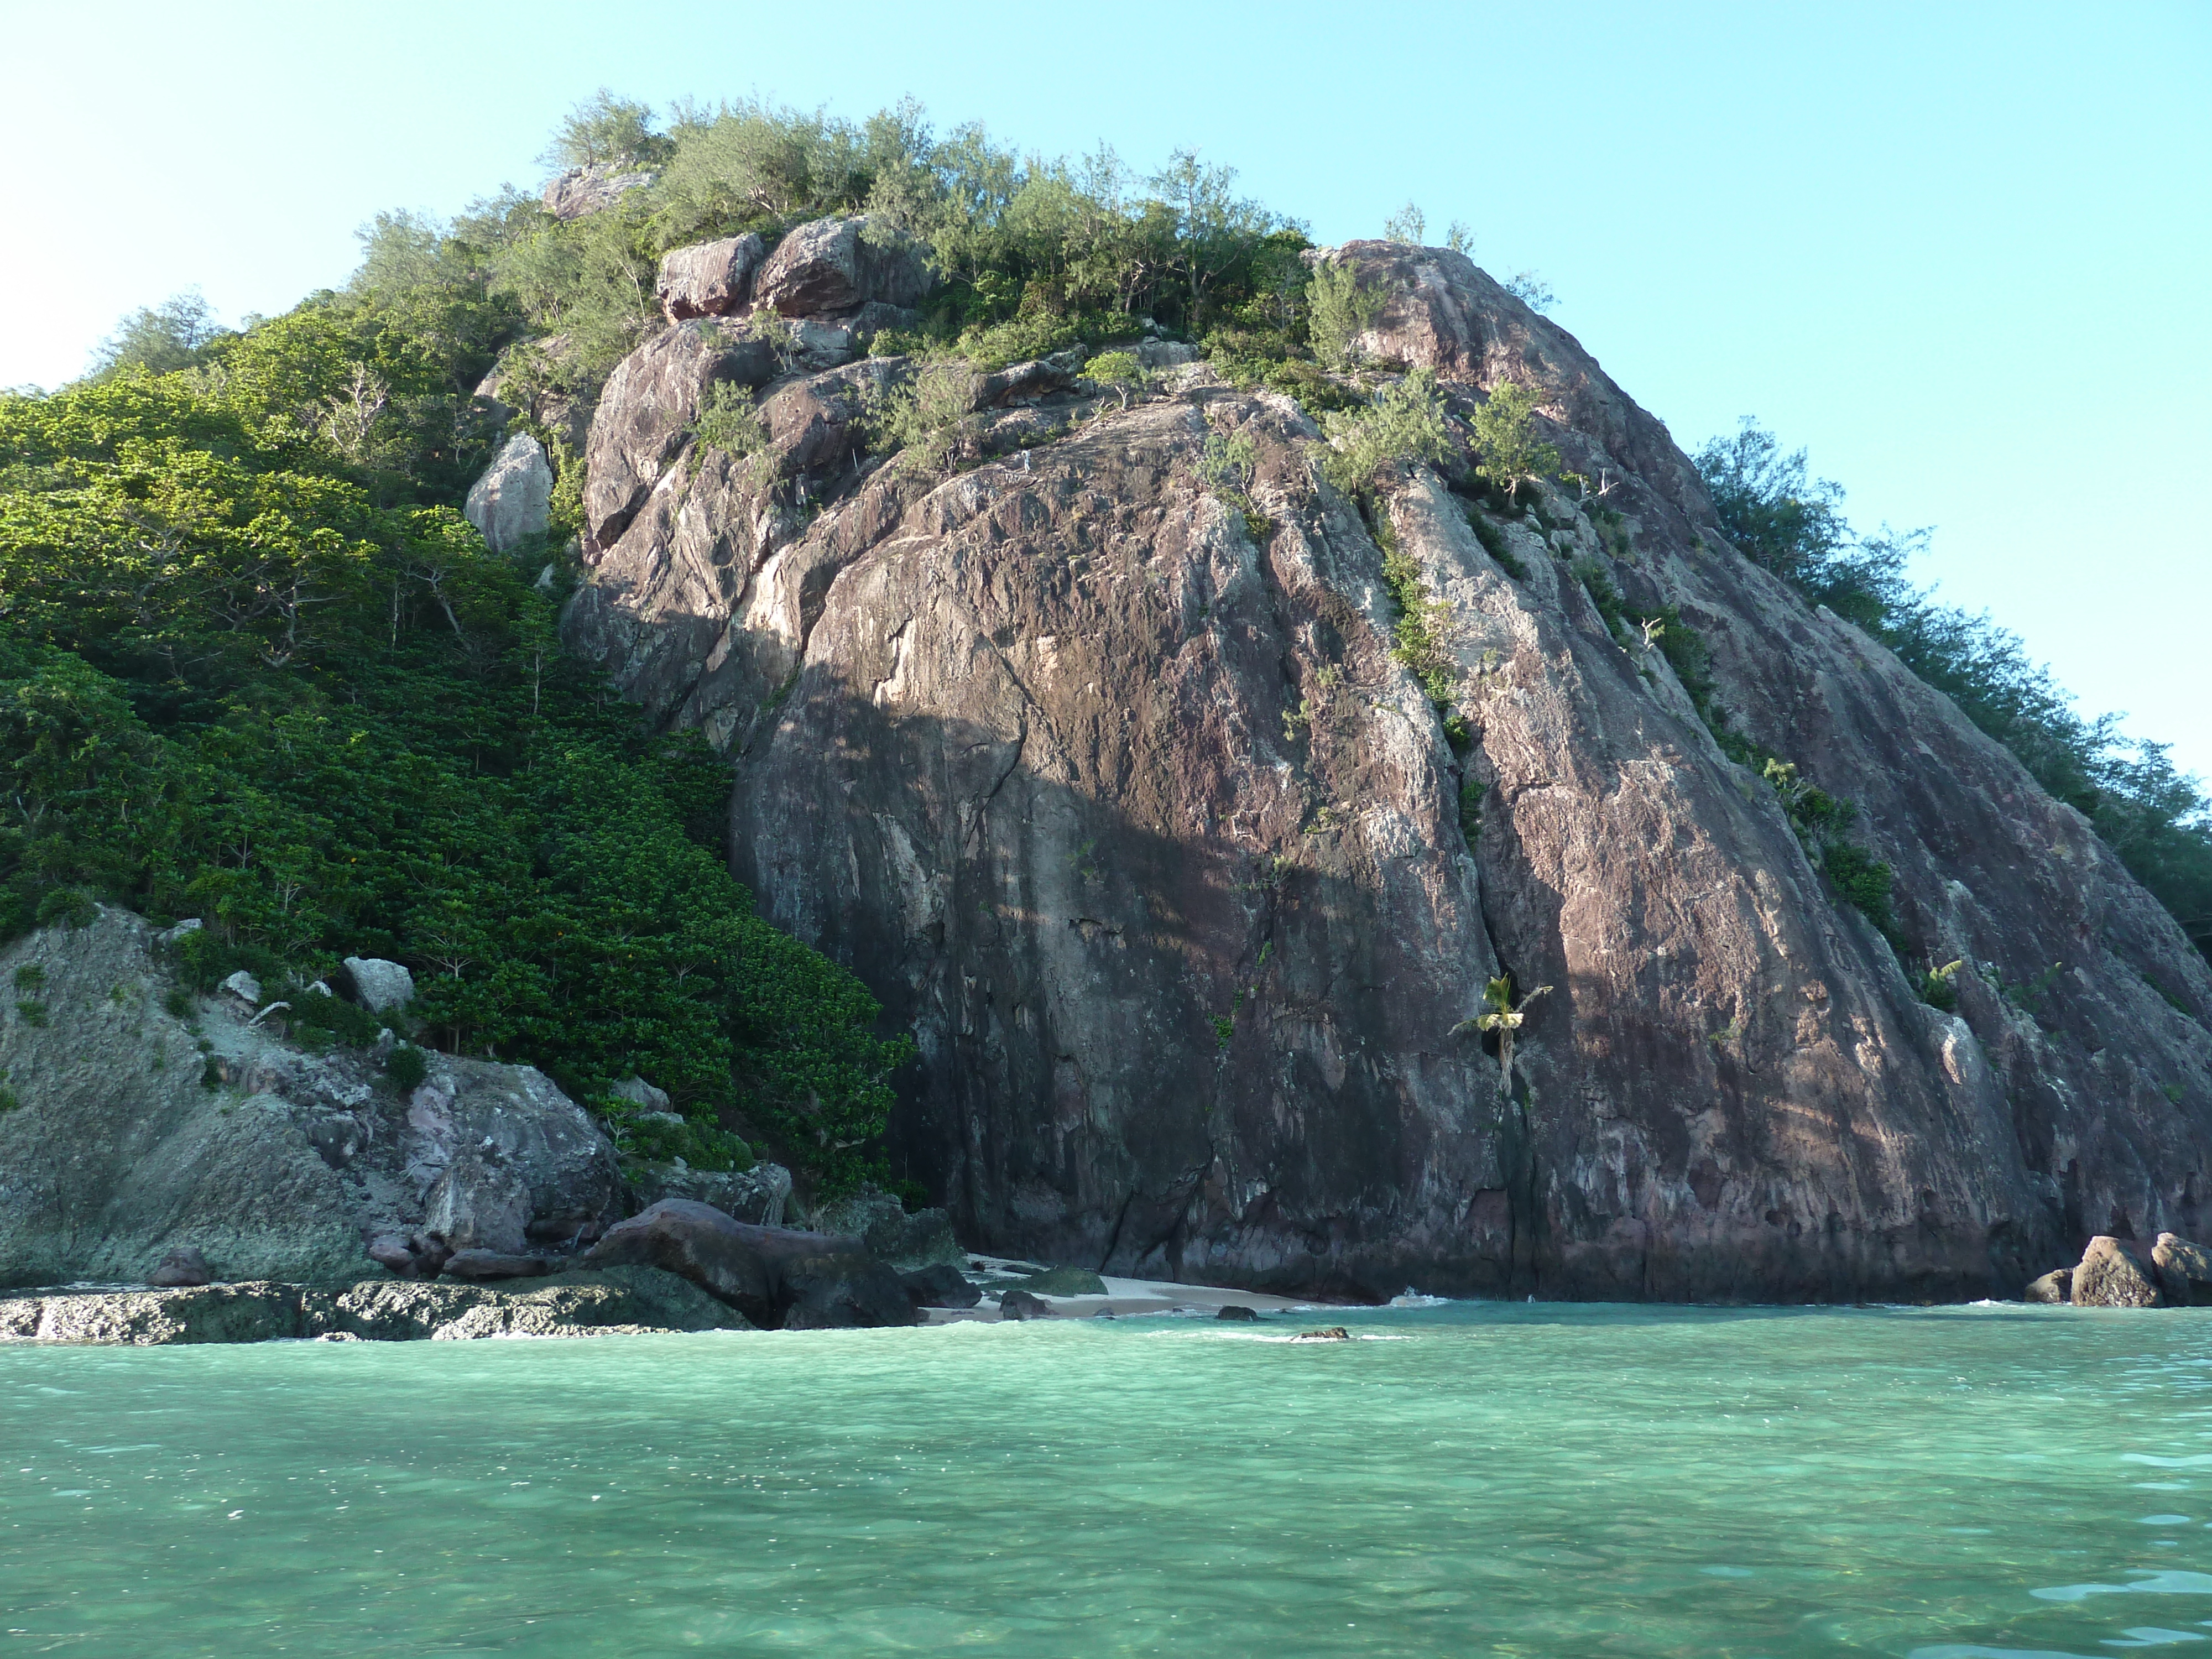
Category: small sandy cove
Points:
column 1126, row 1297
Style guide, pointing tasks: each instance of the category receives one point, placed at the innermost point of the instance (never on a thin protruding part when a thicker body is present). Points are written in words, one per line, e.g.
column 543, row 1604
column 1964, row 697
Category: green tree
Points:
column 158, row 339
column 1407, row 423
column 1508, row 452
column 1342, row 309
column 604, row 129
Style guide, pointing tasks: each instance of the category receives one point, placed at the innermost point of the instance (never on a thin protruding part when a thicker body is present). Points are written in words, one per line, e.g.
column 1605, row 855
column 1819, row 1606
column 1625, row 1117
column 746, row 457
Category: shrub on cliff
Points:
column 248, row 673
column 1405, row 425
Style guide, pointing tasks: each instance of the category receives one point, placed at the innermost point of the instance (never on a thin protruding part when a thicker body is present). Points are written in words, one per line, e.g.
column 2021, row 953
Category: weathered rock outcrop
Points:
column 137, row 1135
column 620, row 1301
column 510, row 502
column 1125, row 805
column 2112, row 1273
column 707, row 279
column 833, row 265
column 594, row 189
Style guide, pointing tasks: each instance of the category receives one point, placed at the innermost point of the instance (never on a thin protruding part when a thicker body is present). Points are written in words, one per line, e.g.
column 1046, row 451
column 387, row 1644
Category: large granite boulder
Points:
column 2184, row 1269
column 1120, row 797
column 833, row 265
column 584, row 191
column 2114, row 1274
column 778, row 1279
column 509, row 504
column 707, row 279
column 281, row 1164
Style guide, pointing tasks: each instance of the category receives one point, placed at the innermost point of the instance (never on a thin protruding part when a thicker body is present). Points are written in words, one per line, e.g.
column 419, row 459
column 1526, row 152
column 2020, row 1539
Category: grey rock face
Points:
column 830, row 265
column 510, row 502
column 2112, row 1275
column 707, row 279
column 284, row 1166
column 583, row 191
column 1131, row 816
column 379, row 985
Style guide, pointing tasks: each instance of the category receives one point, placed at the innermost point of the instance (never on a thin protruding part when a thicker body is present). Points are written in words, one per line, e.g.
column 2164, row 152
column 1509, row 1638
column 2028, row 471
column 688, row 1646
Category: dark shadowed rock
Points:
column 479, row 1264
column 183, row 1267
column 1020, row 1304
column 2054, row 1286
column 707, row 279
column 831, row 265
column 941, row 1285
column 775, row 1277
column 2184, row 1269
column 2113, row 1274
column 1238, row 1313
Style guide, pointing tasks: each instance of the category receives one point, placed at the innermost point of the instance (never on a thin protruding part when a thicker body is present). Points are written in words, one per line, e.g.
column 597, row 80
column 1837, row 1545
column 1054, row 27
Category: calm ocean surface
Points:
column 1469, row 1478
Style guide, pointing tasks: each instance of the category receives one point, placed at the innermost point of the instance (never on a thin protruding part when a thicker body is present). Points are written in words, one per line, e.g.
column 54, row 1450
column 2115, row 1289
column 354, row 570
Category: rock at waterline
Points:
column 2054, row 1286
column 619, row 1301
column 941, row 1285
column 183, row 1267
column 378, row 985
column 778, row 1279
column 1329, row 1333
column 2184, row 1270
column 2112, row 1274
column 1237, row 1312
column 512, row 501
column 1020, row 1304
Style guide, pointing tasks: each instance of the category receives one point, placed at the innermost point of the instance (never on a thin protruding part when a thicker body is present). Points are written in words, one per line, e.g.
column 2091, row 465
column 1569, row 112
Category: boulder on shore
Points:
column 1020, row 1304
column 2113, row 1274
column 2054, row 1286
column 779, row 1279
column 2184, row 1269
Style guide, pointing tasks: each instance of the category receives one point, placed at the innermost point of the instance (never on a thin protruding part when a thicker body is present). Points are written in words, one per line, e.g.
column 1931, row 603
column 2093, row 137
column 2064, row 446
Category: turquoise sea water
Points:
column 1464, row 1479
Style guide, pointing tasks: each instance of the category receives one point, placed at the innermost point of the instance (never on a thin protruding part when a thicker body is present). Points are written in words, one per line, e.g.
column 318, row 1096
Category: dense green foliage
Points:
column 2154, row 816
column 255, row 668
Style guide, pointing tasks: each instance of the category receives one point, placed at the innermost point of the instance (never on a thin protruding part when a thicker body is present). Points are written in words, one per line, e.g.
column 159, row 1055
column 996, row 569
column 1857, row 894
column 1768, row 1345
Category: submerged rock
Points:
column 1236, row 1312
column 2112, row 1275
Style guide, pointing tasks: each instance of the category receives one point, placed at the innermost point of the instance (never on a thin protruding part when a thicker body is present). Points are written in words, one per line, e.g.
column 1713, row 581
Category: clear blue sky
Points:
column 1961, row 252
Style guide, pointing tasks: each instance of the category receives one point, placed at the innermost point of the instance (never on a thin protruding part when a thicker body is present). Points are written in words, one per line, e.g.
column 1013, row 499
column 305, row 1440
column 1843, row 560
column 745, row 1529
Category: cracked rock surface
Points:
column 1119, row 798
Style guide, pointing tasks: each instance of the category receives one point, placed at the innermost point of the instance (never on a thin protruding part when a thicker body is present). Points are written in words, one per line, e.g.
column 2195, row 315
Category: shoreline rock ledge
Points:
column 2171, row 1272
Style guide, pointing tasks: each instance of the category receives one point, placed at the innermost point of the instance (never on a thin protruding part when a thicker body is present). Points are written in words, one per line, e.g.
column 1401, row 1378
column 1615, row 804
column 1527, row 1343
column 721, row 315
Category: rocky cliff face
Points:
column 131, row 1128
column 1119, row 798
